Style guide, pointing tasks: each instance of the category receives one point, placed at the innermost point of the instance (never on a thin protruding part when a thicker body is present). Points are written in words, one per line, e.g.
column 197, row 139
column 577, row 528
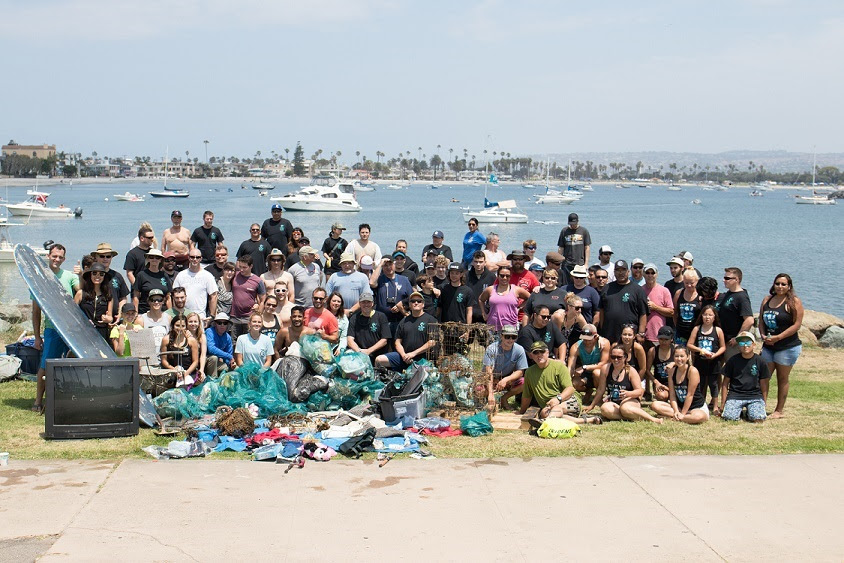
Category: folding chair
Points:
column 154, row 379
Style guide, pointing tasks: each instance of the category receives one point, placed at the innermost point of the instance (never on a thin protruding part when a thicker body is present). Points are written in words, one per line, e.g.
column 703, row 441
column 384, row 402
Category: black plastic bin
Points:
column 29, row 356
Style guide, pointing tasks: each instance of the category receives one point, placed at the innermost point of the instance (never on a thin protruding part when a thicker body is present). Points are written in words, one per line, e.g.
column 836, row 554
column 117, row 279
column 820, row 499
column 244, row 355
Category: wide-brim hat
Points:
column 105, row 248
column 154, row 253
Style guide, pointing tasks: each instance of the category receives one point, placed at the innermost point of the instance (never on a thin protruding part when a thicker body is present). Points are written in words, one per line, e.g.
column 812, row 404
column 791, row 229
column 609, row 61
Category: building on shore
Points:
column 32, row 151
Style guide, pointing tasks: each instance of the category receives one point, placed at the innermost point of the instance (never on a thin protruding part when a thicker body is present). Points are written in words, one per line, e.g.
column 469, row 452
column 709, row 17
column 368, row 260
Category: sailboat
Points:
column 169, row 192
column 814, row 199
column 556, row 197
column 496, row 211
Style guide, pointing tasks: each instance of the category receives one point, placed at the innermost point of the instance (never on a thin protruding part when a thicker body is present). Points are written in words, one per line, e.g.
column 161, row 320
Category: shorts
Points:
column 705, row 409
column 395, row 361
column 755, row 409
column 518, row 382
column 54, row 347
column 787, row 357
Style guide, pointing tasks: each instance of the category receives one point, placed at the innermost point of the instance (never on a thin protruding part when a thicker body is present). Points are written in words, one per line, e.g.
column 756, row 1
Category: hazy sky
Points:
column 131, row 77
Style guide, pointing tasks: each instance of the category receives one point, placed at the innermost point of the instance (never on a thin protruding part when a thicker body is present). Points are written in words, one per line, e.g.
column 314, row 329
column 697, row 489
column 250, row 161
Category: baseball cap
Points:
column 438, row 234
column 621, row 265
column 155, row 293
column 686, row 255
column 676, row 261
column 536, row 267
column 455, row 266
column 367, row 296
column 128, row 307
column 338, row 226
column 276, row 207
column 306, row 250
column 573, row 217
column 746, row 335
column 168, row 254
column 176, row 213
column 538, row 345
column 416, row 294
column 510, row 330
column 366, row 263
column 637, row 261
column 399, row 253
column 665, row 332
column 430, row 264
column 579, row 272
column 605, row 249
column 588, row 331
column 651, row 266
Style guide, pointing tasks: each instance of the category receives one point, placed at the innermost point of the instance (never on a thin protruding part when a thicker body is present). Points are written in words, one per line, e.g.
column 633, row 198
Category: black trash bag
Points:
column 300, row 383
column 354, row 447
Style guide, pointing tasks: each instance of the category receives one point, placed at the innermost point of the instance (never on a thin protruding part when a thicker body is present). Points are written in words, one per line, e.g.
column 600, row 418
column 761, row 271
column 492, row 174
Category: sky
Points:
column 135, row 77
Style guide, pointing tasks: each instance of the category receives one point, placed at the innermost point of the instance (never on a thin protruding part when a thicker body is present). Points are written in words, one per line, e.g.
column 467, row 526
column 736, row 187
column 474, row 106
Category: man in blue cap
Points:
column 437, row 248
column 276, row 229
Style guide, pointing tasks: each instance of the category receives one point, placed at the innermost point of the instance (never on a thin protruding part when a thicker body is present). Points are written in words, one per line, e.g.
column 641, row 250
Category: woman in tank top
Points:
column 780, row 317
column 658, row 359
column 195, row 329
column 708, row 346
column 571, row 319
column 686, row 307
column 500, row 302
column 587, row 358
column 623, row 388
column 636, row 357
column 270, row 318
column 687, row 401
column 178, row 340
column 96, row 299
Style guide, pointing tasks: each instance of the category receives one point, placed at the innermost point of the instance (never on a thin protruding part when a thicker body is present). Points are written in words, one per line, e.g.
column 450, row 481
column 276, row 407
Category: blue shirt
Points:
column 350, row 286
column 504, row 363
column 472, row 242
column 390, row 292
column 219, row 345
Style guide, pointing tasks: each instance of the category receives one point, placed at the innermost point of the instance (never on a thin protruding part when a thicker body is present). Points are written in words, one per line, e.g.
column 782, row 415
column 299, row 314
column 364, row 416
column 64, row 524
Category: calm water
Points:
column 763, row 236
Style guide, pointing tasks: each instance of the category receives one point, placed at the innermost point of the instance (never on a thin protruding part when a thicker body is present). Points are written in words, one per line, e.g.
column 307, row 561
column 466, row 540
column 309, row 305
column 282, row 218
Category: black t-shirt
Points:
column 414, row 332
column 550, row 335
column 409, row 274
column 135, row 260
column 672, row 287
column 574, row 243
column 259, row 250
column 444, row 250
column 478, row 284
column 215, row 270
column 409, row 264
column 367, row 331
column 744, row 376
column 145, row 282
column 206, row 240
column 733, row 307
column 334, row 248
column 118, row 285
column 621, row 305
column 453, row 301
column 431, row 303
column 276, row 233
column 554, row 300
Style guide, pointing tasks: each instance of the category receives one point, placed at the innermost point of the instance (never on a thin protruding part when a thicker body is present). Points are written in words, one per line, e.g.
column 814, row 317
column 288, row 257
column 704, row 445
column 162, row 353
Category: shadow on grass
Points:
column 20, row 404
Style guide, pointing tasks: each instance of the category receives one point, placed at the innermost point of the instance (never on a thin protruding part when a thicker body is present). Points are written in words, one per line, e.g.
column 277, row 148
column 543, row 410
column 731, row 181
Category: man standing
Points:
column 369, row 330
column 248, row 294
column 258, row 248
column 391, row 289
column 676, row 266
column 573, row 244
column 409, row 265
column 478, row 279
column 637, row 274
column 176, row 239
column 136, row 258
column 276, row 230
column 413, row 339
column 332, row 249
column 540, row 329
column 554, row 262
column 51, row 345
column 320, row 319
column 605, row 262
column 473, row 241
column 307, row 276
column 504, row 364
column 362, row 246
column 400, row 261
column 348, row 283
column 519, row 276
column 660, row 306
column 199, row 284
column 588, row 295
column 206, row 238
column 437, row 248
column 624, row 303
column 221, row 256
column 734, row 310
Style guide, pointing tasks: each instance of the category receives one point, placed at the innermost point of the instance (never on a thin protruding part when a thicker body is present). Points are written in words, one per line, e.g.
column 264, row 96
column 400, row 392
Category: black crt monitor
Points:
column 91, row 398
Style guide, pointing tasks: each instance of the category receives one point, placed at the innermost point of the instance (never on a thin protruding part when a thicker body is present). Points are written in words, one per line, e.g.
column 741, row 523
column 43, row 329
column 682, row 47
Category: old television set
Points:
column 91, row 398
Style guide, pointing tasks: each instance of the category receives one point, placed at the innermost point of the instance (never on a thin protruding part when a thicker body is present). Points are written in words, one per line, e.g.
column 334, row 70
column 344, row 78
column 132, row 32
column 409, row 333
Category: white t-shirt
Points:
column 371, row 249
column 198, row 287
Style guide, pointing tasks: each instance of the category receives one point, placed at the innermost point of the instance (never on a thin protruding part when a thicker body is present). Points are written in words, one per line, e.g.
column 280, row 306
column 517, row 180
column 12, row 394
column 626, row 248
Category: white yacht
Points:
column 497, row 212
column 36, row 206
column 814, row 200
column 324, row 193
column 128, row 197
column 556, row 197
column 7, row 249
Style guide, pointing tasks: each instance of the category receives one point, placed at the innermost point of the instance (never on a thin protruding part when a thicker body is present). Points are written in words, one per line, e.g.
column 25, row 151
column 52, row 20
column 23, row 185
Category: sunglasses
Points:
column 281, row 290
column 503, row 275
column 537, row 352
column 576, row 307
column 275, row 259
column 509, row 337
column 602, row 277
column 156, row 300
column 637, row 267
column 617, row 357
column 778, row 284
column 727, row 278
column 530, row 248
column 412, row 301
column 98, row 274
column 221, row 323
column 254, row 230
column 169, row 259
column 318, row 298
column 744, row 343
column 546, row 317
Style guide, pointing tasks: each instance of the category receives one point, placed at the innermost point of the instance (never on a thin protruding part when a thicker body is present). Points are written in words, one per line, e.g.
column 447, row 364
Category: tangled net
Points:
column 237, row 423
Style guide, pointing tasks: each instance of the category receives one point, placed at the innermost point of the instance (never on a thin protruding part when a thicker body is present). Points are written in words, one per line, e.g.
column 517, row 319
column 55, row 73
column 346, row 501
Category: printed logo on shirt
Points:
column 754, row 370
column 421, row 327
column 547, row 337
column 114, row 283
column 625, row 298
column 770, row 318
column 687, row 311
column 260, row 248
column 213, row 236
column 163, row 282
column 373, row 327
column 459, row 298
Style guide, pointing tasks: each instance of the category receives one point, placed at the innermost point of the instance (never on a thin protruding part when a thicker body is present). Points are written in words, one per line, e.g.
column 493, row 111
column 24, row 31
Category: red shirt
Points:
column 325, row 321
column 527, row 281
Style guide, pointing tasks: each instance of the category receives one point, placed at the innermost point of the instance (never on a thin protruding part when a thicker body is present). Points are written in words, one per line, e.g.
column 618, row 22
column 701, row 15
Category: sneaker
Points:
column 535, row 422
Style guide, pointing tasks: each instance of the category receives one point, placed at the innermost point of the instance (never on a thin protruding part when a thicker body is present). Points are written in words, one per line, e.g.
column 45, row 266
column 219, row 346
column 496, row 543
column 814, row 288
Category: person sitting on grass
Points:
column 548, row 383
column 623, row 387
column 504, row 364
column 687, row 402
column 659, row 357
column 745, row 383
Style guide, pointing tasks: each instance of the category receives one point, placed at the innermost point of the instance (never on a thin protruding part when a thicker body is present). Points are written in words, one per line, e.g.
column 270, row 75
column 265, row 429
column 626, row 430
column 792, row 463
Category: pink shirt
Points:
column 325, row 321
column 660, row 295
column 245, row 292
column 503, row 309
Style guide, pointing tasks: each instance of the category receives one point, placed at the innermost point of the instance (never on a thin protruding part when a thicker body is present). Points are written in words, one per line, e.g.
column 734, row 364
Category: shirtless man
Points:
column 281, row 291
column 177, row 240
column 287, row 336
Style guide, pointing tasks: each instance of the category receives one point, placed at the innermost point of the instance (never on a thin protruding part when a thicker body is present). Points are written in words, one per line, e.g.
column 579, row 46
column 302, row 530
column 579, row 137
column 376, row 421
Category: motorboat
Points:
column 128, row 197
column 722, row 188
column 675, row 189
column 435, row 186
column 501, row 212
column 325, row 193
column 263, row 186
column 393, row 187
column 36, row 206
column 360, row 186
column 756, row 193
column 7, row 249
column 814, row 200
column 529, row 186
column 556, row 197
column 696, row 202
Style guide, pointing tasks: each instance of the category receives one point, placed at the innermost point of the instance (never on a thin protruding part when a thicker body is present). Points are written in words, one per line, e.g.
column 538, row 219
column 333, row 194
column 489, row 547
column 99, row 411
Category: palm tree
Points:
column 206, row 149
column 420, row 152
column 287, row 154
column 450, row 154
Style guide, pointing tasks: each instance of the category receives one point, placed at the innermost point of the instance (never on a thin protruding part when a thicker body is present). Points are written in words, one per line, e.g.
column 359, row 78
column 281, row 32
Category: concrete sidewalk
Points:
column 600, row 508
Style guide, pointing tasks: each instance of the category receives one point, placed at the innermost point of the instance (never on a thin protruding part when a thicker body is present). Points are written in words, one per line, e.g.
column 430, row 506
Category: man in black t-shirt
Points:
column 436, row 248
column 369, row 330
column 676, row 266
column 478, row 279
column 734, row 310
column 332, row 249
column 257, row 247
column 276, row 230
column 456, row 297
column 746, row 379
column 573, row 244
column 207, row 238
column 623, row 303
column 413, row 339
column 540, row 329
column 136, row 257
column 221, row 256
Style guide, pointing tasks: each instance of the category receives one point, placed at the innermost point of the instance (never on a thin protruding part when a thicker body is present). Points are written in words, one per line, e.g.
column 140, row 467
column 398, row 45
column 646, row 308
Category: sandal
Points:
column 592, row 419
column 37, row 408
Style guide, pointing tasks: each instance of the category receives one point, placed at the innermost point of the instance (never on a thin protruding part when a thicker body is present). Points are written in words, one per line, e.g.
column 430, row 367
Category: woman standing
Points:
column 96, row 299
column 295, row 240
column 686, row 307
column 707, row 344
column 472, row 242
column 224, row 289
column 335, row 306
column 550, row 294
column 623, row 387
column 180, row 340
column 195, row 329
column 276, row 274
column 500, row 303
column 781, row 316
column 688, row 403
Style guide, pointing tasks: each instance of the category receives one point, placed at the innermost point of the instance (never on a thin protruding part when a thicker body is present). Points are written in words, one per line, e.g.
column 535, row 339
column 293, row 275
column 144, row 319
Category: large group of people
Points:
column 570, row 335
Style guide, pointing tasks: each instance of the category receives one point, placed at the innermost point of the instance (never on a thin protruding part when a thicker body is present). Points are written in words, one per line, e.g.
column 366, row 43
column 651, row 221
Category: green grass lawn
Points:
column 814, row 424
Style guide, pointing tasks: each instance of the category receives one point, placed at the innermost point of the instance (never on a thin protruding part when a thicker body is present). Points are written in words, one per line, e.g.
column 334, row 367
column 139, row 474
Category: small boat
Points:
column 7, row 249
column 361, row 187
column 36, row 206
column 696, row 202
column 675, row 189
column 263, row 193
column 128, row 197
column 722, row 188
column 394, row 187
column 436, row 186
column 546, row 222
column 814, row 200
column 708, row 189
column 586, row 188
column 501, row 213
column 262, row 186
column 168, row 192
column 529, row 186
column 756, row 193
column 325, row 193
column 646, row 186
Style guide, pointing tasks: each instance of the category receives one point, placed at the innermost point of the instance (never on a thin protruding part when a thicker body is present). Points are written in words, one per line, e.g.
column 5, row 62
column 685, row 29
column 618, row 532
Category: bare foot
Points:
column 659, row 421
column 36, row 408
column 777, row 414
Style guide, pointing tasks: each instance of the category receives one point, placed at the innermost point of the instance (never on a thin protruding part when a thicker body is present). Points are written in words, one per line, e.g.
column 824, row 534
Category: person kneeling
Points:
column 687, row 403
column 745, row 381
column 548, row 382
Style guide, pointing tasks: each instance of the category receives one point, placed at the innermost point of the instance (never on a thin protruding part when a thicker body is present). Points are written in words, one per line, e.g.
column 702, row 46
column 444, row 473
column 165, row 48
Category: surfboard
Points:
column 70, row 322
